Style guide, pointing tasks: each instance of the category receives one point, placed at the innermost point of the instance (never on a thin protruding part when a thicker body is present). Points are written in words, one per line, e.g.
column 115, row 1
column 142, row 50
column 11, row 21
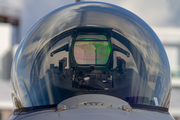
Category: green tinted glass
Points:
column 92, row 52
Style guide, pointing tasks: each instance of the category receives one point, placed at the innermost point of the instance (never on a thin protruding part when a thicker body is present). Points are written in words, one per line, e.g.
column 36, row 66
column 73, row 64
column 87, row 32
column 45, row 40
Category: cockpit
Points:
column 91, row 59
column 83, row 54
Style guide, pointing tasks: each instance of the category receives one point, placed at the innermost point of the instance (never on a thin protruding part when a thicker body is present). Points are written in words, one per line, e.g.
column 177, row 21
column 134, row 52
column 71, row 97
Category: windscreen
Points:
column 55, row 61
column 98, row 69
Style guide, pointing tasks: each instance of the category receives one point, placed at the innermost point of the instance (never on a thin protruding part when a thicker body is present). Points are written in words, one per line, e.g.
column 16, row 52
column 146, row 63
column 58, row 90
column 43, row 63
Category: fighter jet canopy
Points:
column 90, row 48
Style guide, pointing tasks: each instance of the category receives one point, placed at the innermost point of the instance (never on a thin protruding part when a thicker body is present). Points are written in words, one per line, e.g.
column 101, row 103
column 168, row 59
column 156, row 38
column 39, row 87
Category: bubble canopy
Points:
column 90, row 48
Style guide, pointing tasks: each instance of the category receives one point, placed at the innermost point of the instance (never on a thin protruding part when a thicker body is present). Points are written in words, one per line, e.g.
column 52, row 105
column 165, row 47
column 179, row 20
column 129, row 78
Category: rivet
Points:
column 61, row 109
column 126, row 110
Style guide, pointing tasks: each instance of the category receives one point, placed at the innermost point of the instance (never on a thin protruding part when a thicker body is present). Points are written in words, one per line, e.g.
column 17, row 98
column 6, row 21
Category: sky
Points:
column 161, row 13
